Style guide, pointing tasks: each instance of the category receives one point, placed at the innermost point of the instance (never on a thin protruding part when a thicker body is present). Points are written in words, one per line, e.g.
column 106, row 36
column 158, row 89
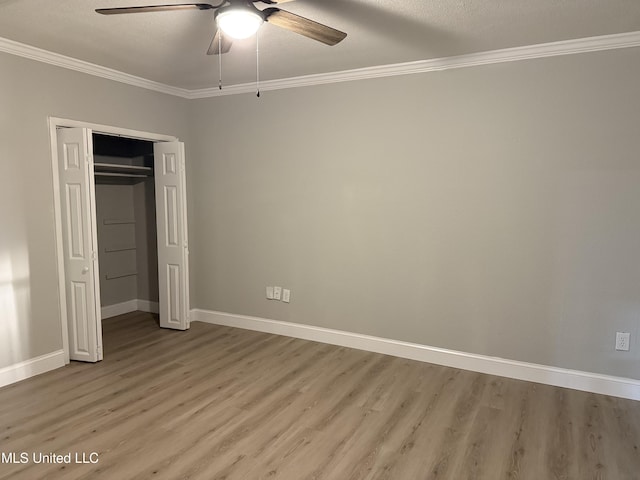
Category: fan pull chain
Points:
column 257, row 66
column 220, row 58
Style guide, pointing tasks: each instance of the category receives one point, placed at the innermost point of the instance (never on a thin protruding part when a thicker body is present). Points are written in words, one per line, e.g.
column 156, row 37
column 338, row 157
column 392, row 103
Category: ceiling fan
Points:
column 240, row 19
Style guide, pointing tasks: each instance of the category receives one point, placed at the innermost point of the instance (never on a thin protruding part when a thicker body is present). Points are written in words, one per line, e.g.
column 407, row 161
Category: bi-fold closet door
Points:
column 79, row 237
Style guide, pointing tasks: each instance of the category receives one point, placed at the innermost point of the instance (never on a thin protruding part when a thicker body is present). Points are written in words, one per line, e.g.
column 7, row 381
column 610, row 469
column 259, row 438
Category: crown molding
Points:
column 45, row 56
column 543, row 50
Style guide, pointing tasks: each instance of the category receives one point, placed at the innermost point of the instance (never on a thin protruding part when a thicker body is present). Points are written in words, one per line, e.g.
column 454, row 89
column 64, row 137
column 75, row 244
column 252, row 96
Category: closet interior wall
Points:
column 126, row 224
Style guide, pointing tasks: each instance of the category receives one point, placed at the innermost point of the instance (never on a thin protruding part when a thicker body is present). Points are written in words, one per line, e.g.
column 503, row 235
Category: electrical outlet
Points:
column 286, row 295
column 270, row 293
column 277, row 292
column 622, row 341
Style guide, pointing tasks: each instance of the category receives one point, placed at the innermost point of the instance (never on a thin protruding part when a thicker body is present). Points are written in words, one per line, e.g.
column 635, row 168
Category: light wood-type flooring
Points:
column 223, row 403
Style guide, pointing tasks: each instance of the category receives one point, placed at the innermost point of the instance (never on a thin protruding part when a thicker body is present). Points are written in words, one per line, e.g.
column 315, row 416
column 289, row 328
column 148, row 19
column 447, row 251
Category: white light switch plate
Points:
column 277, row 292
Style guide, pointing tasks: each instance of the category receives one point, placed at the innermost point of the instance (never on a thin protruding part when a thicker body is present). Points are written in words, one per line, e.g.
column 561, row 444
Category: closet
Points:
column 120, row 201
column 126, row 224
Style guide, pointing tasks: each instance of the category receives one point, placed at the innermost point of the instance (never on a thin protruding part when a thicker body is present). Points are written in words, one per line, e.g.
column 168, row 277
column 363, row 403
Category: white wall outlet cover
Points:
column 286, row 295
column 622, row 341
column 270, row 293
column 277, row 292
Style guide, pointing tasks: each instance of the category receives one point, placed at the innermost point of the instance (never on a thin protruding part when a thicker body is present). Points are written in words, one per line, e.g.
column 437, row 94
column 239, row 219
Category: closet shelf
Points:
column 115, row 169
column 117, row 221
column 125, row 175
column 122, row 275
column 119, row 249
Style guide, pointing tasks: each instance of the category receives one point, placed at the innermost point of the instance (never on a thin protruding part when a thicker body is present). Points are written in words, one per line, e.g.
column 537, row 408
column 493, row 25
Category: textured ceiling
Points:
column 170, row 47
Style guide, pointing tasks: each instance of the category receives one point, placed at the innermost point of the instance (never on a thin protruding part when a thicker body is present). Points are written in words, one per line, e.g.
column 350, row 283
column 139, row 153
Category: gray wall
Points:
column 115, row 203
column 491, row 210
column 144, row 202
column 133, row 203
column 29, row 92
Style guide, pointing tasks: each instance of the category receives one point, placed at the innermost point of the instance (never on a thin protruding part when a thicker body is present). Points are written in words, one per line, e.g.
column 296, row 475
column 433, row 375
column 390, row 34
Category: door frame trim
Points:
column 54, row 124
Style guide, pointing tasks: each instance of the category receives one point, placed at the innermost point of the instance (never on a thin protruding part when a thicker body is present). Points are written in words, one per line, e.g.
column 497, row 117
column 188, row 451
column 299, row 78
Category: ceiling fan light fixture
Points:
column 239, row 23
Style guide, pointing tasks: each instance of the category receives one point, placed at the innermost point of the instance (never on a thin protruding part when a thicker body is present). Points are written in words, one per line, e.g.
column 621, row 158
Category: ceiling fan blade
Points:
column 157, row 8
column 303, row 26
column 216, row 47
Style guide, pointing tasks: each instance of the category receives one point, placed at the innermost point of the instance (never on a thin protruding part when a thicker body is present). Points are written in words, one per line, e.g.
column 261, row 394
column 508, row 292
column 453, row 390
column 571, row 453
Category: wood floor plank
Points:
column 410, row 455
column 216, row 402
column 625, row 426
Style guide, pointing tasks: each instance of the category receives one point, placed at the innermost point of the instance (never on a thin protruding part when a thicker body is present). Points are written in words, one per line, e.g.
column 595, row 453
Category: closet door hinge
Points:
column 94, row 256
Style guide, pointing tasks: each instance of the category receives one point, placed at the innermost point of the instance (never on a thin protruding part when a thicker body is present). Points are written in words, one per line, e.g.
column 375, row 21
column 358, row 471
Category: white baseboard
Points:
column 119, row 308
column 148, row 306
column 129, row 306
column 29, row 368
column 560, row 377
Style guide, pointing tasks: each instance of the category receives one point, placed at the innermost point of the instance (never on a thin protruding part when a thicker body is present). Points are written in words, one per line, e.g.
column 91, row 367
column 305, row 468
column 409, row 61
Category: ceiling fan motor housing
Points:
column 239, row 19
